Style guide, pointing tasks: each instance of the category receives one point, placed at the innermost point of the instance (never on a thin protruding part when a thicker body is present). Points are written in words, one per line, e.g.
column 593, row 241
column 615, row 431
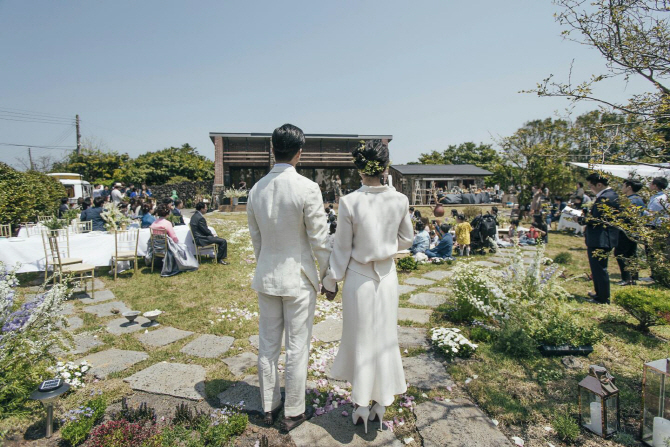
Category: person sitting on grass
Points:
column 445, row 247
column 147, row 218
column 162, row 211
column 421, row 240
column 93, row 215
column 463, row 230
column 540, row 226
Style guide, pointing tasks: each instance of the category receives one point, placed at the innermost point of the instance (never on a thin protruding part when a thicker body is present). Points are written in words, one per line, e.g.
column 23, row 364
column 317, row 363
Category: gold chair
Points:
column 32, row 229
column 83, row 227
column 125, row 248
column 158, row 243
column 42, row 219
column 200, row 248
column 6, row 230
column 84, row 271
column 63, row 239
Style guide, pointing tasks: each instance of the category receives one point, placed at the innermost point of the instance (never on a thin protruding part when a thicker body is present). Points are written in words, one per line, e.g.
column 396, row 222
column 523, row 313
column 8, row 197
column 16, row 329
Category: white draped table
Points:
column 569, row 217
column 93, row 248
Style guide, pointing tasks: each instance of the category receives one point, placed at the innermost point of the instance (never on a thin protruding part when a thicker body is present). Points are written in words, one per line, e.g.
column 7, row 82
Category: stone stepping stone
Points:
column 104, row 363
column 485, row 264
column 426, row 372
column 437, row 275
column 173, row 379
column 241, row 362
column 97, row 285
column 403, row 289
column 122, row 326
column 208, row 346
column 81, row 344
column 450, row 423
column 163, row 336
column 500, row 260
column 73, row 323
column 528, row 248
column 419, row 282
column 421, row 316
column 412, row 337
column 255, row 340
column 105, row 309
column 68, row 309
column 428, row 299
column 248, row 391
column 329, row 330
column 439, row 290
column 100, row 296
column 334, row 430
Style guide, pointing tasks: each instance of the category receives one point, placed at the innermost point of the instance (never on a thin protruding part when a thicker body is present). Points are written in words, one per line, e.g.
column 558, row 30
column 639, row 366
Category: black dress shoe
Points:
column 290, row 423
column 625, row 283
column 270, row 416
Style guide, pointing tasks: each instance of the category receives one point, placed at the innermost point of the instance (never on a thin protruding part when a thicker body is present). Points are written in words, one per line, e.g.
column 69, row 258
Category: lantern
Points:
column 655, row 429
column 47, row 393
column 599, row 402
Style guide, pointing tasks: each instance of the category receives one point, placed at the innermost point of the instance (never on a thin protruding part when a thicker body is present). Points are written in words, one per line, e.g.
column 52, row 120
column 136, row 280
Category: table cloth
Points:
column 569, row 218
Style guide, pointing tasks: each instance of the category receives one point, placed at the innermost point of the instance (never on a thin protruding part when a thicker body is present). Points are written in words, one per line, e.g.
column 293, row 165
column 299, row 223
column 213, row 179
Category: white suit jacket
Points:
column 289, row 232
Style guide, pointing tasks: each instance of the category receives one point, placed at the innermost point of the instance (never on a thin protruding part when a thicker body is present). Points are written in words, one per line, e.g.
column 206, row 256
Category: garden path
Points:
column 435, row 411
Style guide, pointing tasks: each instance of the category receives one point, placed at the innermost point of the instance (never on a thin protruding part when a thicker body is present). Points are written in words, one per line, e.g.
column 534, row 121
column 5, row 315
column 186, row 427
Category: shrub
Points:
column 563, row 258
column 452, row 343
column 563, row 329
column 204, row 429
column 650, row 307
column 566, row 427
column 470, row 212
column 407, row 263
column 479, row 334
column 477, row 295
column 122, row 433
column 514, row 341
column 79, row 422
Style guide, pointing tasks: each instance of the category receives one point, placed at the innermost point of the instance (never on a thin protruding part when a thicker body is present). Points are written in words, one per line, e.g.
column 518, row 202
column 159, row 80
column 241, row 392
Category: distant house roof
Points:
column 440, row 170
column 321, row 136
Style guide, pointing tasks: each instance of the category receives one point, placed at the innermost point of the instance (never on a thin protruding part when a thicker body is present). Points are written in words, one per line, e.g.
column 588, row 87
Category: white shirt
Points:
column 117, row 197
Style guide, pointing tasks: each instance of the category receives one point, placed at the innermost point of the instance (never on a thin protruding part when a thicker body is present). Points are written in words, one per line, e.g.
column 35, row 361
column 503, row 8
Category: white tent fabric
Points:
column 626, row 171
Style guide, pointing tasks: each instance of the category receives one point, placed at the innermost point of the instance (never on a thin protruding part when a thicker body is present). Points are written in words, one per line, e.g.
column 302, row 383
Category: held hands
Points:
column 329, row 295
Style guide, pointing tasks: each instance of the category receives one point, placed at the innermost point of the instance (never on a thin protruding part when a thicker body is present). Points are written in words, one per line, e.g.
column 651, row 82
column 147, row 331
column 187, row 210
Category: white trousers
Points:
column 295, row 316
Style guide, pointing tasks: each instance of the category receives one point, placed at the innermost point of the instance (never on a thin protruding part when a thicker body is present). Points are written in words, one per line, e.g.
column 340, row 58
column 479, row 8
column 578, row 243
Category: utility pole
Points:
column 30, row 157
column 78, row 136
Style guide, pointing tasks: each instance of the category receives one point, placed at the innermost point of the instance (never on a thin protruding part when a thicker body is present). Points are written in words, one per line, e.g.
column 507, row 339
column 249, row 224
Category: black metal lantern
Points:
column 599, row 402
column 655, row 430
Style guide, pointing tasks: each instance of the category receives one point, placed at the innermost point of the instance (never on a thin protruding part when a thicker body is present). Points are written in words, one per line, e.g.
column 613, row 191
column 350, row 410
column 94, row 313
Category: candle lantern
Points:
column 655, row 430
column 47, row 393
column 599, row 402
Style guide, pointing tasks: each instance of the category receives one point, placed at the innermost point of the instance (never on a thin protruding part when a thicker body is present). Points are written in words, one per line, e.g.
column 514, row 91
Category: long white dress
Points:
column 373, row 224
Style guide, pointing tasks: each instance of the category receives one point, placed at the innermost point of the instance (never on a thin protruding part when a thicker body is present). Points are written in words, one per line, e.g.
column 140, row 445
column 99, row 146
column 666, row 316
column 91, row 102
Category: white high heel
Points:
column 361, row 413
column 378, row 411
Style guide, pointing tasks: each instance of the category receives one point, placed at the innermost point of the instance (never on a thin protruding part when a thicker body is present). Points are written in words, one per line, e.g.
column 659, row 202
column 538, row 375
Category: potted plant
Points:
column 54, row 225
column 234, row 195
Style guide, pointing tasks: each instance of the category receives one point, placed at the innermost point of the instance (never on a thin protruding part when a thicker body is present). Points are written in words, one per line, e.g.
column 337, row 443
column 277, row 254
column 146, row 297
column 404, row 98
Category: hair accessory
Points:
column 372, row 167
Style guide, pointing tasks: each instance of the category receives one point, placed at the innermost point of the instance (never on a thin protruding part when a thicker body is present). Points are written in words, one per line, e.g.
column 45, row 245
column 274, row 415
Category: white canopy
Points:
column 626, row 171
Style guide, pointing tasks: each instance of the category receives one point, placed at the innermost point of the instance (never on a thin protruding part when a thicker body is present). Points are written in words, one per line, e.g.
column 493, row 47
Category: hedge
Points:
column 649, row 306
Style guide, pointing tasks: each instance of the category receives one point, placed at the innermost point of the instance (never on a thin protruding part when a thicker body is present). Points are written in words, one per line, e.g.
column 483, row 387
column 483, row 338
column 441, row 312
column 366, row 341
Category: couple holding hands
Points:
column 289, row 233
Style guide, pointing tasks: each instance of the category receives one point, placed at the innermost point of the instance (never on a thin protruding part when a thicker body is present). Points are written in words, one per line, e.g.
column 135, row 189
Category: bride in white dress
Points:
column 373, row 224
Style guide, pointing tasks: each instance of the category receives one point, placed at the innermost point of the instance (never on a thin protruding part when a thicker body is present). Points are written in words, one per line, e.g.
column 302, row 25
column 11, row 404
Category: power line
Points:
column 31, row 120
column 31, row 113
column 36, row 145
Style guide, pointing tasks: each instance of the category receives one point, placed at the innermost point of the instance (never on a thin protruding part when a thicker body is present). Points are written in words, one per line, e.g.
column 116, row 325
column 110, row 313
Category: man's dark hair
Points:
column 494, row 210
column 596, row 178
column 411, row 208
column 635, row 185
column 146, row 207
column 660, row 182
column 558, row 199
column 330, row 205
column 445, row 228
column 167, row 201
column 287, row 141
column 461, row 217
column 581, row 185
column 162, row 210
column 177, row 203
column 98, row 201
column 200, row 206
column 123, row 206
column 515, row 222
column 420, row 226
column 63, row 201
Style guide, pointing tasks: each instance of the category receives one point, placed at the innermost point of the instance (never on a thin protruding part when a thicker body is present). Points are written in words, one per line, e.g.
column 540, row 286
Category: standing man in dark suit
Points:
column 203, row 235
column 601, row 237
column 626, row 249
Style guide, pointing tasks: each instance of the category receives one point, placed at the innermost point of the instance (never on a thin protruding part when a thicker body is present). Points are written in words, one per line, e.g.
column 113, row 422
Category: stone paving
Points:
column 100, row 296
column 241, row 362
column 163, row 336
column 412, row 337
column 428, row 299
column 419, row 282
column 420, row 316
column 328, row 330
column 104, row 363
column 403, row 289
column 173, row 379
column 425, row 371
column 122, row 326
column 208, row 346
column 437, row 275
column 107, row 309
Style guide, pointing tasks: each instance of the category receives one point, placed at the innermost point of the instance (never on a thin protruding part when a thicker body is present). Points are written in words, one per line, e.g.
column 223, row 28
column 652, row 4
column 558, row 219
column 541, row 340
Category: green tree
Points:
column 157, row 168
column 95, row 163
column 483, row 156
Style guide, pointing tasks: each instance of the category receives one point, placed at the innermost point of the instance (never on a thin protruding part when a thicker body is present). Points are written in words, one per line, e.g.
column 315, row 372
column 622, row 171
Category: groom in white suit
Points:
column 289, row 232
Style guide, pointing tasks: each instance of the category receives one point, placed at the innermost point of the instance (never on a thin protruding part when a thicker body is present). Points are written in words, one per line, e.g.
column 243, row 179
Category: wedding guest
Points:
column 178, row 205
column 93, row 215
column 86, row 203
column 204, row 236
column 658, row 207
column 169, row 202
column 147, row 218
column 445, row 247
column 129, row 190
column 123, row 207
column 463, row 230
column 540, row 226
column 117, row 195
column 174, row 195
column 146, row 192
column 105, row 192
column 337, row 186
column 626, row 249
column 162, row 211
column 63, row 208
column 434, row 239
column 411, row 213
column 421, row 240
column 331, row 233
column 97, row 191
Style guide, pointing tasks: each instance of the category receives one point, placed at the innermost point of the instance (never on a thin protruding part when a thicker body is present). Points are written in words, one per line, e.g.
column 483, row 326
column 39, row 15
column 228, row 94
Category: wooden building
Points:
column 248, row 156
column 415, row 181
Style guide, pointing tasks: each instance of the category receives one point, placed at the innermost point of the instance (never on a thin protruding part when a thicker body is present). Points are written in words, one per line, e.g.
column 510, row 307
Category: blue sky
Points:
column 147, row 74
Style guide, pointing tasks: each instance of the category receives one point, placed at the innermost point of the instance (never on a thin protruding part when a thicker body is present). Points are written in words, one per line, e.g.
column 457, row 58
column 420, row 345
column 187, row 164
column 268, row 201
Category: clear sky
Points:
column 144, row 75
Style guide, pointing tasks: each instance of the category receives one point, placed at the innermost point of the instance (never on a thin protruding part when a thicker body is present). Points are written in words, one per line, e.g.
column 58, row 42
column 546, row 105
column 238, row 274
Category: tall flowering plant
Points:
column 27, row 331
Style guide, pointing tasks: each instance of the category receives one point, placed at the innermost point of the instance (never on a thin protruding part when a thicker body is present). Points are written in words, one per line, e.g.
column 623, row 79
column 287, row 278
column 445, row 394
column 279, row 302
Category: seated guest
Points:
column 445, row 246
column 63, row 208
column 169, row 202
column 162, row 211
column 421, row 240
column 203, row 235
column 178, row 205
column 147, row 218
column 540, row 226
column 331, row 234
column 93, row 215
column 512, row 231
column 86, row 204
column 434, row 239
column 123, row 207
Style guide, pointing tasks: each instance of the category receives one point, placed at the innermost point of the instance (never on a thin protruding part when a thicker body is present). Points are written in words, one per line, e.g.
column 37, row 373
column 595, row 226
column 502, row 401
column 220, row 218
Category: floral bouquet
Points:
column 113, row 217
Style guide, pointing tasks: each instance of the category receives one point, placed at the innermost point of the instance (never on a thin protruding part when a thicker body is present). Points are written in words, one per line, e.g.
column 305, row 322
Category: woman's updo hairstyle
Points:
column 371, row 157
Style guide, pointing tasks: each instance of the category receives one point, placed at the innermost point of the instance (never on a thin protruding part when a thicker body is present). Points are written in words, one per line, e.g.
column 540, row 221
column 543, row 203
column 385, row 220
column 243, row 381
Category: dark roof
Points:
column 440, row 170
column 323, row 136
